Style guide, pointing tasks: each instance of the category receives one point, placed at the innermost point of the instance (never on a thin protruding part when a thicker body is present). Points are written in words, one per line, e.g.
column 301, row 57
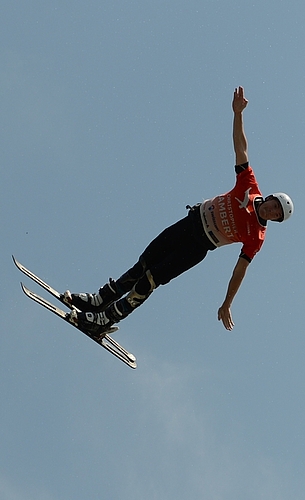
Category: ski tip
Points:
column 17, row 263
column 24, row 289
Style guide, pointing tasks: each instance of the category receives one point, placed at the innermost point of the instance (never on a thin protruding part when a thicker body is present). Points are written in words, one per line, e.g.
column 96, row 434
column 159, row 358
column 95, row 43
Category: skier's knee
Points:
column 142, row 290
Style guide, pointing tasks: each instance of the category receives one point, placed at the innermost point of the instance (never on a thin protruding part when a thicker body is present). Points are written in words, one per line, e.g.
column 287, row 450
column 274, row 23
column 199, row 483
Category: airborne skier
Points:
column 239, row 215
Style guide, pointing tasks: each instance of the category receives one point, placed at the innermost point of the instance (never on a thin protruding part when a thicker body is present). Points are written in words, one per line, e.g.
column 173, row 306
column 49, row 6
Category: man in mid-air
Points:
column 240, row 215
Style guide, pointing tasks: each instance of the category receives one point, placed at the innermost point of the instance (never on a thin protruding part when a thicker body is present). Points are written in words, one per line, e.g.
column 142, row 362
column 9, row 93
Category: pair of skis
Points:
column 107, row 342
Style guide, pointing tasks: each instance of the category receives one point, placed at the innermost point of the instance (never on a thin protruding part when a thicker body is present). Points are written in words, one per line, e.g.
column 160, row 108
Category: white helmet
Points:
column 286, row 204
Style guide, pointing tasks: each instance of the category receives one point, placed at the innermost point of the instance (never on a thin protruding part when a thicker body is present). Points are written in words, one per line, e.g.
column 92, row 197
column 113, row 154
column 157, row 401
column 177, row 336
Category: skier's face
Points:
column 270, row 210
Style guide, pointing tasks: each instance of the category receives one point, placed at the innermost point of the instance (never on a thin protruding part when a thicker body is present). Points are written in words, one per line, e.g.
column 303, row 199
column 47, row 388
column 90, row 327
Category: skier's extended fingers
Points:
column 224, row 315
column 241, row 92
column 228, row 323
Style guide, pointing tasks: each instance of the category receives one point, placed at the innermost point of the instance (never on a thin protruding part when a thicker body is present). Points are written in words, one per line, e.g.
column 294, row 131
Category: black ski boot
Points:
column 94, row 302
column 94, row 324
column 98, row 324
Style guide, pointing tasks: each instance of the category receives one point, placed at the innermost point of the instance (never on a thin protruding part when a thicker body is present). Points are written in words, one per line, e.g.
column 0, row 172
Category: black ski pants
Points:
column 177, row 249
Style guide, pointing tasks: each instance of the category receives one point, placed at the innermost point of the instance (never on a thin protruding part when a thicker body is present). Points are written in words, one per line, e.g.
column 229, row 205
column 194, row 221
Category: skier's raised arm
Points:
column 224, row 312
column 239, row 138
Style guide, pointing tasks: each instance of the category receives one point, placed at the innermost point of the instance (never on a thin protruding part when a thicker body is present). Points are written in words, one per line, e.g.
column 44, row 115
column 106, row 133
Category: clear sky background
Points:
column 114, row 116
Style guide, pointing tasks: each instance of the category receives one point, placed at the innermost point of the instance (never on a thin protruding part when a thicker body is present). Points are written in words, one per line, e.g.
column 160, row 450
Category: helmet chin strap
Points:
column 257, row 204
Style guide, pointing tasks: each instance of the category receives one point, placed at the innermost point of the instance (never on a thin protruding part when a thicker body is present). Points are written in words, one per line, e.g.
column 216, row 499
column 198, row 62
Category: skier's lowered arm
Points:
column 239, row 137
column 224, row 312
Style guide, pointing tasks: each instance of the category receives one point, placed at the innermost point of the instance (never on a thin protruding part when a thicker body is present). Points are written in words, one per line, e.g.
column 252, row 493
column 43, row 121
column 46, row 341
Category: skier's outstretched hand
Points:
column 224, row 315
column 239, row 101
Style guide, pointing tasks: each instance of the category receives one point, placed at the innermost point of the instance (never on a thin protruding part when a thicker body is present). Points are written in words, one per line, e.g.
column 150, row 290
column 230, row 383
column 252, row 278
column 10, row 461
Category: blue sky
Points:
column 114, row 116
